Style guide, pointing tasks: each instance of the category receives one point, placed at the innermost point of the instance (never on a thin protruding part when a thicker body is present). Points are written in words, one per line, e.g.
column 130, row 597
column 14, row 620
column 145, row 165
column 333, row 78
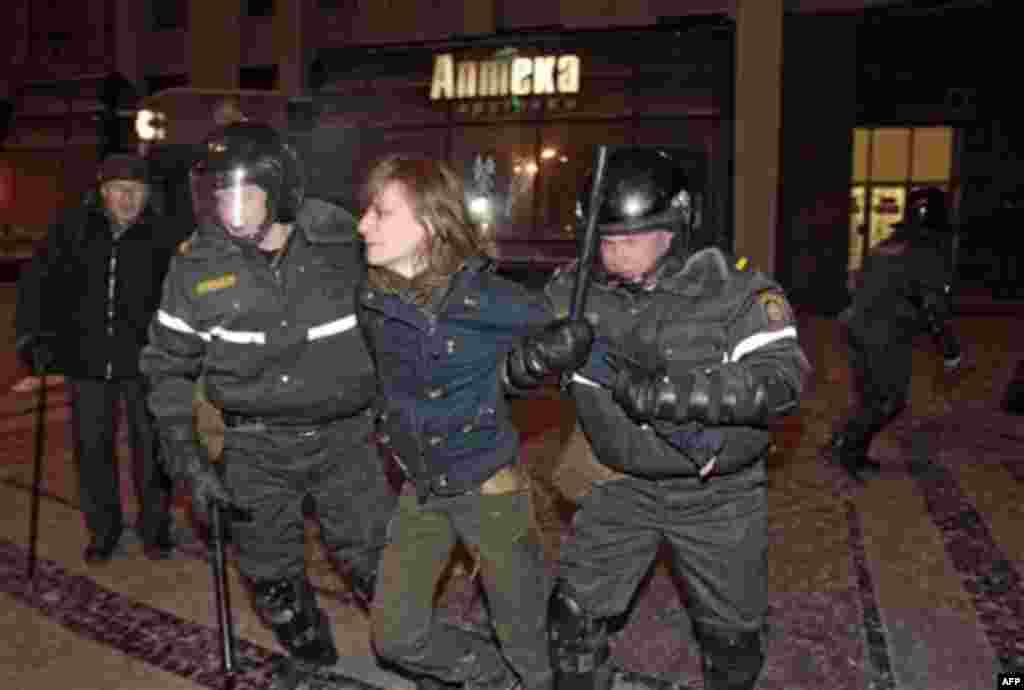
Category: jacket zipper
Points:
column 111, row 306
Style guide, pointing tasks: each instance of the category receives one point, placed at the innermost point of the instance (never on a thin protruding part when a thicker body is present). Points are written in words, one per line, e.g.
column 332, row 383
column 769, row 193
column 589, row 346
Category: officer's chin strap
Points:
column 253, row 241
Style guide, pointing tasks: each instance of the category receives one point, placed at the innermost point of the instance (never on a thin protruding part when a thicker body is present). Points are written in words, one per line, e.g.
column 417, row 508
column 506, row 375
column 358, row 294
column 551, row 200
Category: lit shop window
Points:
column 887, row 164
column 858, row 215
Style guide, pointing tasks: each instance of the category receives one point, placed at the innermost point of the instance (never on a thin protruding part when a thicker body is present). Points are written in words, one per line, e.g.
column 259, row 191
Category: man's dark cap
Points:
column 123, row 166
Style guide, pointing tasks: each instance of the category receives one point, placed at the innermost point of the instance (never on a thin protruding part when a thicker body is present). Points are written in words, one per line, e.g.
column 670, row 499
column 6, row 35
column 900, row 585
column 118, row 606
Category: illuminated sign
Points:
column 517, row 76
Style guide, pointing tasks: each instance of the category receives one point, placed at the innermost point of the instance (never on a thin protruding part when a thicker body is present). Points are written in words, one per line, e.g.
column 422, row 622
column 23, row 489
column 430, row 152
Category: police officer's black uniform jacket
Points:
column 903, row 290
column 443, row 412
column 276, row 340
column 694, row 313
column 97, row 292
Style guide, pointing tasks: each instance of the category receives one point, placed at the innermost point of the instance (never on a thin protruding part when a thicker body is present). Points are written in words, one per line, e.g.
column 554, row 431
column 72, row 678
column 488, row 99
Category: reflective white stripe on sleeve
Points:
column 346, row 323
column 178, row 324
column 243, row 337
column 240, row 337
column 579, row 378
column 757, row 341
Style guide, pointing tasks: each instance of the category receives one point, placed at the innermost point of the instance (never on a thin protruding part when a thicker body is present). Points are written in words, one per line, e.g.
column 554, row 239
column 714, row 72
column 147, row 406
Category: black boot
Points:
column 101, row 549
column 853, row 457
column 292, row 674
column 289, row 608
column 161, row 546
column 579, row 643
column 861, row 468
column 363, row 585
column 731, row 659
column 851, row 451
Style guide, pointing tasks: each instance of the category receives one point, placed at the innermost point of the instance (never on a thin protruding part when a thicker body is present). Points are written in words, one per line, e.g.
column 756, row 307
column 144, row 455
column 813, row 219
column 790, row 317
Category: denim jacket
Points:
column 442, row 412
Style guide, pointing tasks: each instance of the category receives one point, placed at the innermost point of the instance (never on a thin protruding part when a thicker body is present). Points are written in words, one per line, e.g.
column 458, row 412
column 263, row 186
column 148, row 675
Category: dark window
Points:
column 566, row 155
column 259, row 8
column 343, row 183
column 259, row 77
column 169, row 14
column 498, row 165
column 159, row 82
column 6, row 116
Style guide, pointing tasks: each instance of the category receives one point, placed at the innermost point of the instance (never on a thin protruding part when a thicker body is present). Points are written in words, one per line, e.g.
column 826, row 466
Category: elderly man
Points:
column 86, row 306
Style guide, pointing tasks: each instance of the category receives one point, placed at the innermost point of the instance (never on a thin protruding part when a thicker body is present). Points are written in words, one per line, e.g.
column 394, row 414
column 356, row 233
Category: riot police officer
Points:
column 904, row 291
column 84, row 304
column 694, row 355
column 261, row 305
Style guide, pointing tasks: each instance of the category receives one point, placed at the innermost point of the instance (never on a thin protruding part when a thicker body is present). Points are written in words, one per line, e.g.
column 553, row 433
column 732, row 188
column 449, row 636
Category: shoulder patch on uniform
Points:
column 225, row 281
column 777, row 311
column 741, row 263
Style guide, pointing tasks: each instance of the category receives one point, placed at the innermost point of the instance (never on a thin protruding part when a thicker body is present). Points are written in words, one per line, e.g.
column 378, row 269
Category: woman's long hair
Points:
column 438, row 201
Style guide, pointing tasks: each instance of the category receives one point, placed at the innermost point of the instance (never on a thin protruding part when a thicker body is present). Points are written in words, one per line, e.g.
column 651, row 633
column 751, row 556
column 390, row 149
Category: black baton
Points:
column 591, row 238
column 221, row 588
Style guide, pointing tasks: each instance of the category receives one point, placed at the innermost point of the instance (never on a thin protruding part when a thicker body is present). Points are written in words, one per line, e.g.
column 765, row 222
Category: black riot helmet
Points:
column 644, row 189
column 926, row 207
column 246, row 153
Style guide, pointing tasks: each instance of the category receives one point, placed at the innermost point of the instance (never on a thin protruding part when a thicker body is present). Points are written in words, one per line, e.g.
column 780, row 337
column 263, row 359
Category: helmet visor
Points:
column 233, row 200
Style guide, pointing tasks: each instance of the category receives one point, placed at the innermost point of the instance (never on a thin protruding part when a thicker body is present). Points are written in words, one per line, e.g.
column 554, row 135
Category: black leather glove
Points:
column 185, row 460
column 562, row 345
column 646, row 396
column 36, row 351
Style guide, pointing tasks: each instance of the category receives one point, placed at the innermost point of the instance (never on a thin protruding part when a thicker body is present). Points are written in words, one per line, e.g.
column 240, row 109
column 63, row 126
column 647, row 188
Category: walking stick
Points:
column 41, row 362
column 37, row 477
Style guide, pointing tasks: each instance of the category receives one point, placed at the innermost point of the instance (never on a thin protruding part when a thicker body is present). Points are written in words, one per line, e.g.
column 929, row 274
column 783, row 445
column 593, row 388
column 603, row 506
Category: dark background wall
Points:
column 819, row 99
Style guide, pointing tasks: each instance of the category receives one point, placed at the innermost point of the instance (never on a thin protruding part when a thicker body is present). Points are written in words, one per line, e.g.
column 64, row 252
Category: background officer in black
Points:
column 261, row 305
column 86, row 303
column 693, row 358
column 903, row 292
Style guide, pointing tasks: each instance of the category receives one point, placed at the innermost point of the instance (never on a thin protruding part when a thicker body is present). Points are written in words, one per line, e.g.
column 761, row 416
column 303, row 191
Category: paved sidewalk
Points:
column 913, row 581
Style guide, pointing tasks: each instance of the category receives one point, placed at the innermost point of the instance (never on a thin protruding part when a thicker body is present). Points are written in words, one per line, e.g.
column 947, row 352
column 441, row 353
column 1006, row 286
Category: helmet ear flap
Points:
column 293, row 185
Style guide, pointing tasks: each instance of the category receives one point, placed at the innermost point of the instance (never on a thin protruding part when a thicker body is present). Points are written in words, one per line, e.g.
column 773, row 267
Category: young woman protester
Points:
column 451, row 339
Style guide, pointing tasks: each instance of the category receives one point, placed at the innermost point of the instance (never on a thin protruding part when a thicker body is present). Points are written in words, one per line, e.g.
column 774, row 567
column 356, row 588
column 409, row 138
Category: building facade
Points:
column 791, row 110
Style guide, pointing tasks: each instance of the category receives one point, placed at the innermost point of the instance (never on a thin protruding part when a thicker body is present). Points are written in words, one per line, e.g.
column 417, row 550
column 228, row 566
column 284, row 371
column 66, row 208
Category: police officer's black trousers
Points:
column 882, row 375
column 94, row 416
column 272, row 470
column 717, row 532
